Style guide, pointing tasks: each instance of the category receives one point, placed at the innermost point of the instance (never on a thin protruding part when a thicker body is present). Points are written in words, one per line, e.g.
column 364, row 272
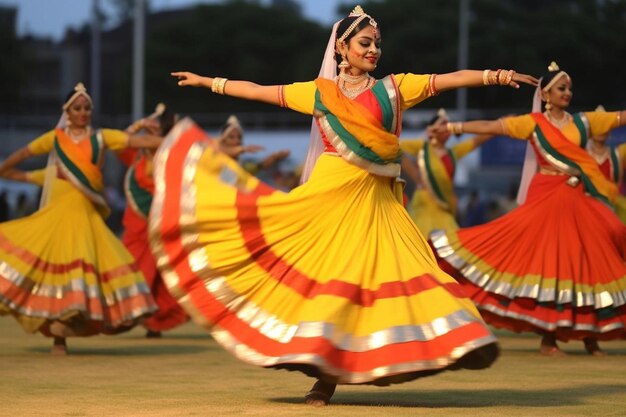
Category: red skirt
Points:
column 169, row 314
column 555, row 264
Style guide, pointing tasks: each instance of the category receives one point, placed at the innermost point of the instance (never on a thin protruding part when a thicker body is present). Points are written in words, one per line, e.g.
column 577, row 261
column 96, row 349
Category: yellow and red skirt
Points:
column 332, row 279
column 62, row 264
column 169, row 314
column 554, row 264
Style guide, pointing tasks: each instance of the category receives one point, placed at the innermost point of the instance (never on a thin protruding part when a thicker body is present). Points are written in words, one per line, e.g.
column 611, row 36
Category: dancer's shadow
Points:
column 469, row 398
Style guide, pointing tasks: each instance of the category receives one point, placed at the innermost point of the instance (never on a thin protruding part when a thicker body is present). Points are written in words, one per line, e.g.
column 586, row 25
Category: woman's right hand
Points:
column 189, row 79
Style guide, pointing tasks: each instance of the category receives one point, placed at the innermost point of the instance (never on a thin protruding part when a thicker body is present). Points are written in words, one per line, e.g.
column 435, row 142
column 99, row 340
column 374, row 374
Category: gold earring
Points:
column 344, row 64
column 548, row 105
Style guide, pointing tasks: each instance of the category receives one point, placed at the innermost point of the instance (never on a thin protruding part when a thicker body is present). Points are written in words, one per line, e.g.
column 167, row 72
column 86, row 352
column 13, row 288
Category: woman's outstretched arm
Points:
column 474, row 78
column 241, row 89
column 14, row 159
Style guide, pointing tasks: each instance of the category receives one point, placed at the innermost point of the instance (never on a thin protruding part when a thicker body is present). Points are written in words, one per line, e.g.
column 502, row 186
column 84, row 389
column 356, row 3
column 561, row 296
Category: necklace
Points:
column 354, row 92
column 353, row 79
column 559, row 123
column 76, row 134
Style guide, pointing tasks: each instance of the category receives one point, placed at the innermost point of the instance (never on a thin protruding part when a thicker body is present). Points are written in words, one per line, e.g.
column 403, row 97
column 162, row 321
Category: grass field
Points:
column 187, row 374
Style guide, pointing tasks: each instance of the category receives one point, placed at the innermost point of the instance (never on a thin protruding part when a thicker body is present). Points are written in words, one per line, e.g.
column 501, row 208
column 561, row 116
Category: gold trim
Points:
column 340, row 375
column 598, row 297
column 552, row 160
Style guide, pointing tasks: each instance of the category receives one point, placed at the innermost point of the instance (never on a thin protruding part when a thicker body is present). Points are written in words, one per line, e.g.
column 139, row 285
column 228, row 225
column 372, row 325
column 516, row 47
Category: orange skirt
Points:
column 169, row 314
column 554, row 264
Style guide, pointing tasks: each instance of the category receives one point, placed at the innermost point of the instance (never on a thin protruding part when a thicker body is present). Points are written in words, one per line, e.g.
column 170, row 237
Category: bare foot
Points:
column 592, row 347
column 549, row 347
column 59, row 347
column 553, row 351
column 320, row 394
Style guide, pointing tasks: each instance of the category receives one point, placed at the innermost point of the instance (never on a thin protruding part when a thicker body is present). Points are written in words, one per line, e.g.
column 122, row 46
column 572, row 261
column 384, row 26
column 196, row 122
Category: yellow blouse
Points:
column 522, row 127
column 413, row 88
column 114, row 140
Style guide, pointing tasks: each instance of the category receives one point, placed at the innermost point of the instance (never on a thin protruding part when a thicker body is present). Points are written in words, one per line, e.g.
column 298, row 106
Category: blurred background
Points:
column 124, row 50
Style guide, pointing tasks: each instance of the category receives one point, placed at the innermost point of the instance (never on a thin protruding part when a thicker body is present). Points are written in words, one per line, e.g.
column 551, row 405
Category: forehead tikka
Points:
column 358, row 11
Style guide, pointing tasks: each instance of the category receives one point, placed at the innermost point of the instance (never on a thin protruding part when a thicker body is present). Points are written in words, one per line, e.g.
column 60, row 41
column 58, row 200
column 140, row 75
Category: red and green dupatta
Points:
column 81, row 170
column 437, row 178
column 571, row 158
column 139, row 186
column 355, row 131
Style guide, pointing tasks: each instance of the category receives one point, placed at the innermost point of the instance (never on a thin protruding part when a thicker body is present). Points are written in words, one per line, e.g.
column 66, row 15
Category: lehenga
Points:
column 62, row 264
column 333, row 278
column 139, row 189
column 433, row 204
column 556, row 263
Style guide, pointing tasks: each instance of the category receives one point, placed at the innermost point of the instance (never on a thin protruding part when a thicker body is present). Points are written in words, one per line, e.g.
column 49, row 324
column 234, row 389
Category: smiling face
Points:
column 79, row 112
column 560, row 94
column 362, row 50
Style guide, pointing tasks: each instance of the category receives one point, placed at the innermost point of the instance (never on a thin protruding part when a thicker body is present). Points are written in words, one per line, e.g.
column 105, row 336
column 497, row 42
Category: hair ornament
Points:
column 360, row 15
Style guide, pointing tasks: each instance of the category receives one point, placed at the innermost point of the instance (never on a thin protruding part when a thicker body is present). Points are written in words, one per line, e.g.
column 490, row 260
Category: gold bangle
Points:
column 486, row 77
column 455, row 128
column 493, row 78
column 216, row 80
column 218, row 85
column 501, row 77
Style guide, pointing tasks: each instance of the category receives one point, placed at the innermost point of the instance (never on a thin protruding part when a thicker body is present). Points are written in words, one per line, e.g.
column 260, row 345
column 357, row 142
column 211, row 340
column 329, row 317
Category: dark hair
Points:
column 69, row 96
column 545, row 80
column 166, row 121
column 344, row 25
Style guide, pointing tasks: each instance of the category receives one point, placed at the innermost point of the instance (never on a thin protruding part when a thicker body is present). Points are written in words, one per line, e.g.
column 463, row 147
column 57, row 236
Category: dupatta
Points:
column 355, row 131
column 80, row 170
column 572, row 159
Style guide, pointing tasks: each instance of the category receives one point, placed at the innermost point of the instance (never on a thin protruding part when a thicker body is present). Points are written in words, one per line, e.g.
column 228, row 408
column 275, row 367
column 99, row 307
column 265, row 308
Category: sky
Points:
column 51, row 17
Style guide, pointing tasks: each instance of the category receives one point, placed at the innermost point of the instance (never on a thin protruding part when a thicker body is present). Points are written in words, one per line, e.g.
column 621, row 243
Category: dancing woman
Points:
column 434, row 205
column 139, row 191
column 555, row 265
column 231, row 143
column 611, row 161
column 332, row 279
column 62, row 271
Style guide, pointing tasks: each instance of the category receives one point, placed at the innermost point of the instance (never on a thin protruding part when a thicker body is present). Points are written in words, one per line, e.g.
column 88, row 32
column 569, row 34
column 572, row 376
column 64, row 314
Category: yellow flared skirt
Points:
column 428, row 215
column 332, row 279
column 63, row 264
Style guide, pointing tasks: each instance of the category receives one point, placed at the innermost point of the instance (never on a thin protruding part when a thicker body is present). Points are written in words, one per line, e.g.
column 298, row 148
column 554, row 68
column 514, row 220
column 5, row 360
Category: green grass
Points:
column 187, row 374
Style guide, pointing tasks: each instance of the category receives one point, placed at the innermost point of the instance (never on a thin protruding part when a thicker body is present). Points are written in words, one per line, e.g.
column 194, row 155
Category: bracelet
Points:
column 218, row 85
column 486, row 77
column 432, row 90
column 455, row 128
column 505, row 77
column 493, row 77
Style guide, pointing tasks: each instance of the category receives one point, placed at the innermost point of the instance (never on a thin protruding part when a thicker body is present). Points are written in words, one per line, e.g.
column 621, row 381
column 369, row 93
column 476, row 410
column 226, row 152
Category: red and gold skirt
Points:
column 554, row 264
